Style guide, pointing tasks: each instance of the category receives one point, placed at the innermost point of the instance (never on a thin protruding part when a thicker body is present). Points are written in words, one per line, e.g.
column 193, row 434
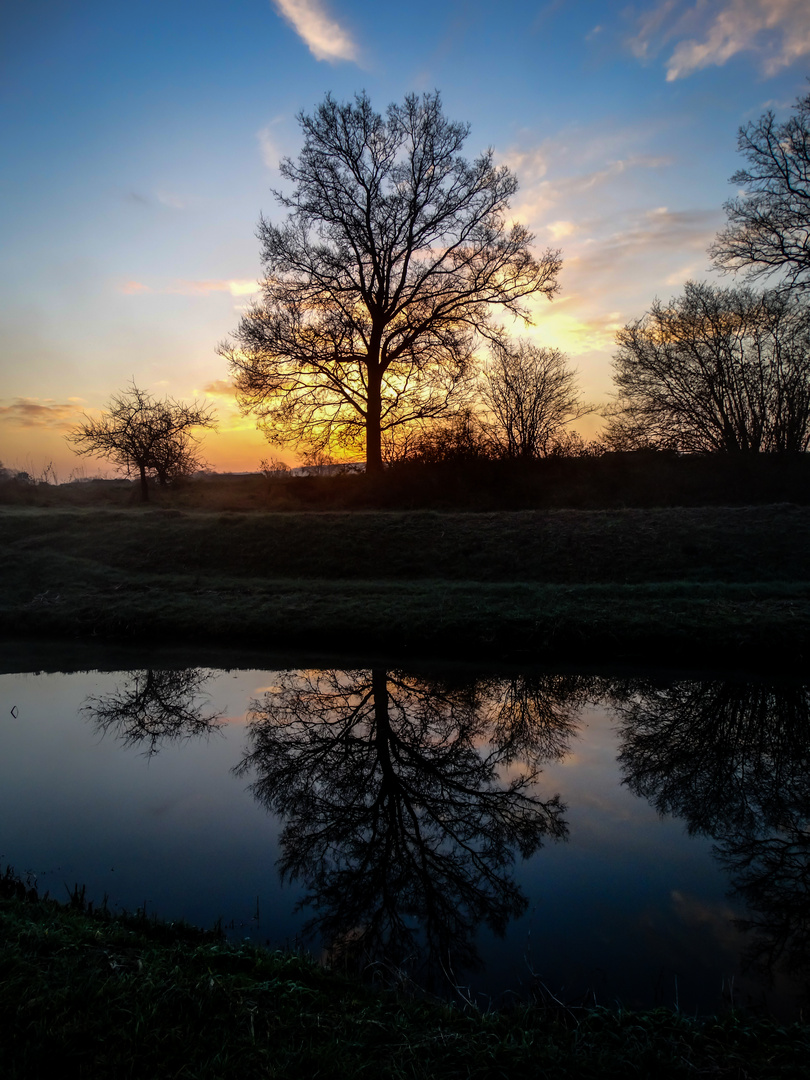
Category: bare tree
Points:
column 716, row 370
column 377, row 286
column 145, row 436
column 532, row 394
column 768, row 227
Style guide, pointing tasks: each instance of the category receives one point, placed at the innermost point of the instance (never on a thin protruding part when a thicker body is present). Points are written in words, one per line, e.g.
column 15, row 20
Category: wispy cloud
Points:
column 31, row 412
column 554, row 175
column 324, row 37
column 271, row 154
column 173, row 201
column 234, row 286
column 241, row 287
column 705, row 35
column 653, row 231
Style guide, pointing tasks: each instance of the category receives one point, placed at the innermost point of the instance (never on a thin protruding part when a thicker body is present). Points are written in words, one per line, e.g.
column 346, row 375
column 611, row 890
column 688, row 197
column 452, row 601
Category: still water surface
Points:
column 627, row 840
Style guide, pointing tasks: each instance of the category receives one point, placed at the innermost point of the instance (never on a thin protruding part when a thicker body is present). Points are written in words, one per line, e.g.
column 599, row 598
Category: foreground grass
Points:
column 88, row 995
column 662, row 585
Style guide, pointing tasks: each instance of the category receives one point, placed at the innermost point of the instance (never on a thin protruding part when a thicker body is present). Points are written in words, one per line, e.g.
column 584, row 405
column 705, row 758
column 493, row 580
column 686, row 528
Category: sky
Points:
column 141, row 144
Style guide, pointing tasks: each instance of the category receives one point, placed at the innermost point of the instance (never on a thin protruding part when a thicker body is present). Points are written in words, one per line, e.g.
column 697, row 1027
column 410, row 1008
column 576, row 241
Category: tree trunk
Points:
column 144, row 485
column 373, row 422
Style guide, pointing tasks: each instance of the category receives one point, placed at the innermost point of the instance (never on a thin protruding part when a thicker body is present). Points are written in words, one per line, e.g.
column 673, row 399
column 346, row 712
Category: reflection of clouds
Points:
column 686, row 933
column 704, row 35
column 719, row 918
column 731, row 759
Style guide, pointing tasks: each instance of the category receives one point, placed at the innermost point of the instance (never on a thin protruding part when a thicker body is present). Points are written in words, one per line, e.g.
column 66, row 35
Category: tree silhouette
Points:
column 396, row 819
column 146, row 436
column 154, row 707
column 715, row 370
column 768, row 229
column 733, row 760
column 532, row 396
column 394, row 255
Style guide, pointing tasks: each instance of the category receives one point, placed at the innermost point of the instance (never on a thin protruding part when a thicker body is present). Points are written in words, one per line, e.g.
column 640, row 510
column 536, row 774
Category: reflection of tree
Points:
column 397, row 820
column 535, row 716
column 153, row 707
column 732, row 759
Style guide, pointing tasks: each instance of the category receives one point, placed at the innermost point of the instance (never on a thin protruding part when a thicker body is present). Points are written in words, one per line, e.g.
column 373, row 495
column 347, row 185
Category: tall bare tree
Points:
column 146, row 436
column 715, row 370
column 377, row 286
column 768, row 227
column 532, row 394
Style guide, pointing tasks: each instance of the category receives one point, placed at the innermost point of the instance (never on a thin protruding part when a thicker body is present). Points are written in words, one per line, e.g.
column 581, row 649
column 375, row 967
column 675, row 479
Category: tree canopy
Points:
column 532, row 395
column 378, row 285
column 768, row 227
column 715, row 370
column 145, row 436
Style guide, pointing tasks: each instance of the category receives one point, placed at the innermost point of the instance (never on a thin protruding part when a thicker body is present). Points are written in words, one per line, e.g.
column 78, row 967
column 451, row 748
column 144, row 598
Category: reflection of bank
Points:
column 733, row 760
column 397, row 821
column 154, row 707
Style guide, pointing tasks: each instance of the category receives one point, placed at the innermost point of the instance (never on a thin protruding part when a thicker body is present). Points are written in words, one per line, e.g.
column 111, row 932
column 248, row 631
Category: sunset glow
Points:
column 145, row 148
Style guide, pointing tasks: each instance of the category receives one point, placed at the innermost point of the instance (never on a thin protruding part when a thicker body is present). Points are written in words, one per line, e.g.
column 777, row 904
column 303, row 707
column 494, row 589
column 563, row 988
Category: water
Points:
column 629, row 840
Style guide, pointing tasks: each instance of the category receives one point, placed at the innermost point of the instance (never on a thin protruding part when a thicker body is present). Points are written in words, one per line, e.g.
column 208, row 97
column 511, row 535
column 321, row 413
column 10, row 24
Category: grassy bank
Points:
column 97, row 996
column 660, row 585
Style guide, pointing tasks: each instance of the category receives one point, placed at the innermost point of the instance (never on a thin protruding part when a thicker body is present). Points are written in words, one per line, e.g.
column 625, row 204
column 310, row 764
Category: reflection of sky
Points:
column 143, row 143
column 177, row 830
column 614, row 909
column 630, row 906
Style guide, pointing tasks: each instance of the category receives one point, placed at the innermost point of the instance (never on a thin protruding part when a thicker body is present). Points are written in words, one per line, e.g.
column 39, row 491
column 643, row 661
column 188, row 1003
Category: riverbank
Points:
column 132, row 997
column 660, row 586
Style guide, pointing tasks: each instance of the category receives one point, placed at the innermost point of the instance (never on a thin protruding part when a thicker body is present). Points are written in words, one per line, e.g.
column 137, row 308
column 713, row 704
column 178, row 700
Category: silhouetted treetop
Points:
column 395, row 254
column 714, row 370
column 768, row 229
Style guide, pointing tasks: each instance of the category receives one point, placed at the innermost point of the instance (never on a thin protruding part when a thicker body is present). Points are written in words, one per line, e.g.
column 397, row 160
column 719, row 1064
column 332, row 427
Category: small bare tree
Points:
column 532, row 395
column 145, row 436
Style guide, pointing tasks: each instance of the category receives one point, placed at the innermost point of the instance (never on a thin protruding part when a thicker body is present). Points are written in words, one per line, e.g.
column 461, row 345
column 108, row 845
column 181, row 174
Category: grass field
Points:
column 86, row 995
column 667, row 585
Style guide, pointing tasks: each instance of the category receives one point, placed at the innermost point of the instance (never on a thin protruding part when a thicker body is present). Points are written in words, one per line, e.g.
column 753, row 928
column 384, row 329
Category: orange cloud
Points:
column 220, row 388
column 37, row 413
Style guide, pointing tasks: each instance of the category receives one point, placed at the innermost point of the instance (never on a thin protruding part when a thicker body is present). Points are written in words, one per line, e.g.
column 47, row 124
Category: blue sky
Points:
column 141, row 142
